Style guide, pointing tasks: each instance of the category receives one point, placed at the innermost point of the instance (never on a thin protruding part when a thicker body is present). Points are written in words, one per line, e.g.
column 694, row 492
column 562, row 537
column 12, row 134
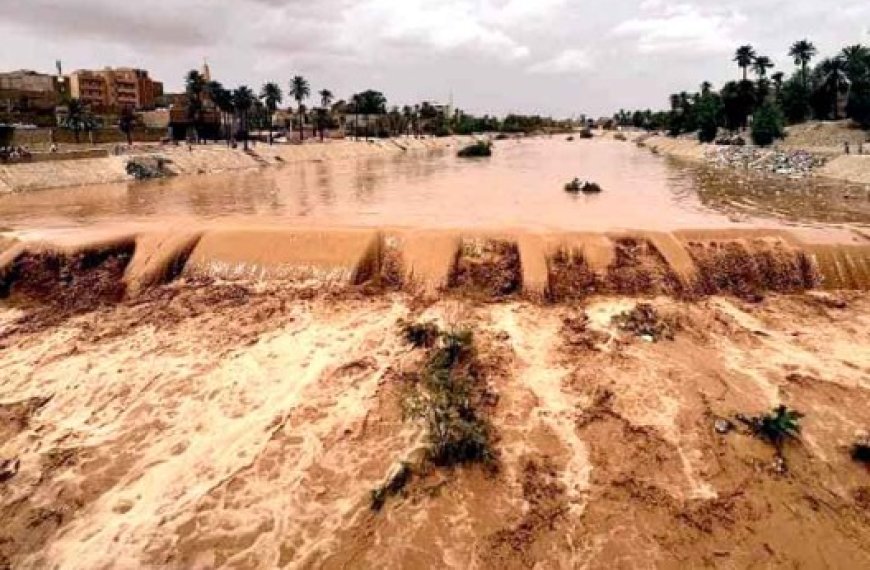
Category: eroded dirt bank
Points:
column 244, row 425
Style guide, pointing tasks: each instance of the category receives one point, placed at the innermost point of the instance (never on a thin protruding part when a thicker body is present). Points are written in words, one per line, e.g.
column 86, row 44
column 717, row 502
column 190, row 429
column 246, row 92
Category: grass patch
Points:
column 478, row 149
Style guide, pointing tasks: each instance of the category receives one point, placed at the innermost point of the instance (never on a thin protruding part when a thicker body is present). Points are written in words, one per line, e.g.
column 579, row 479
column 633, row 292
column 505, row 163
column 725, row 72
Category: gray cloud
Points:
column 554, row 56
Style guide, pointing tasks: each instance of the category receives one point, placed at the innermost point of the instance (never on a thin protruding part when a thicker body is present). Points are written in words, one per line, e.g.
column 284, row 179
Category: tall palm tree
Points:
column 706, row 88
column 777, row 79
column 674, row 100
column 857, row 59
column 326, row 98
column 243, row 100
column 760, row 66
column 744, row 56
column 223, row 100
column 272, row 97
column 194, row 86
column 803, row 52
column 300, row 90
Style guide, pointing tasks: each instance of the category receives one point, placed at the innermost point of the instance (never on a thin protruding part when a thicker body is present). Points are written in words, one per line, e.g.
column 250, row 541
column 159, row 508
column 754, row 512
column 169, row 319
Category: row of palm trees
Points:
column 236, row 105
column 810, row 92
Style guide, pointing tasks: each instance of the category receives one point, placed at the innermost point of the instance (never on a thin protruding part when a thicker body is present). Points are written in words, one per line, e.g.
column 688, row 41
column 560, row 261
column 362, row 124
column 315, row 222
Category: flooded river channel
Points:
column 520, row 187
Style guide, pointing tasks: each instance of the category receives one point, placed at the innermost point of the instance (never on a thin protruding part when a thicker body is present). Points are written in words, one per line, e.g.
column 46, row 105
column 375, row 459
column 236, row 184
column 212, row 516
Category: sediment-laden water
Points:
column 520, row 187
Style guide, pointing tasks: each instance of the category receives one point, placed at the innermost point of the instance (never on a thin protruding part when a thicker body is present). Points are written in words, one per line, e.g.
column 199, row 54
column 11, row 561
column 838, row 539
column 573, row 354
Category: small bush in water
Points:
column 778, row 425
column 478, row 149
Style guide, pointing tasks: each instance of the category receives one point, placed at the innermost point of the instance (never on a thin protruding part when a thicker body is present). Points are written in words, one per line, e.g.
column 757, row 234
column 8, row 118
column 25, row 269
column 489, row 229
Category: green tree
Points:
column 271, row 96
column 243, row 100
column 369, row 103
column 324, row 115
column 223, row 100
column 194, row 86
column 739, row 101
column 709, row 112
column 76, row 118
column 777, row 80
column 300, row 90
column 744, row 56
column 833, row 81
column 767, row 124
column 126, row 123
column 760, row 66
column 802, row 52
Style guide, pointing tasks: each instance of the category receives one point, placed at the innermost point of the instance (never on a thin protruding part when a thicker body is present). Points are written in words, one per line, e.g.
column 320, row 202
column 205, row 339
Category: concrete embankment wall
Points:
column 554, row 267
column 206, row 159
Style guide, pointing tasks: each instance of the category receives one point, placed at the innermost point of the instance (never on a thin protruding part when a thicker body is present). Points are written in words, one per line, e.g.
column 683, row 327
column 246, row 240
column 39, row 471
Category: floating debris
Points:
column 584, row 186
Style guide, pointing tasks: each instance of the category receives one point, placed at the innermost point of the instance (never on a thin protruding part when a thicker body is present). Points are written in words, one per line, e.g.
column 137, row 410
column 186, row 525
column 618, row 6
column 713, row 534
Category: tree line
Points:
column 834, row 88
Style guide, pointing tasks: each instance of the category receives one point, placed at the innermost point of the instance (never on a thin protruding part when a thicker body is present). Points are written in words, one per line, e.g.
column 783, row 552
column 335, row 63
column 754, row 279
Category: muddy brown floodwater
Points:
column 520, row 187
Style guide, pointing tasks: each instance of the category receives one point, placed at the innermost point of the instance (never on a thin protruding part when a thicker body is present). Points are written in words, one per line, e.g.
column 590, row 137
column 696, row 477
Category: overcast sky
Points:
column 559, row 57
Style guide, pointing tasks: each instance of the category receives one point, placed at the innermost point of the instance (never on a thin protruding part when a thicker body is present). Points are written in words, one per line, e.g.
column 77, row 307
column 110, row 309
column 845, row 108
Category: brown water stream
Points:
column 520, row 187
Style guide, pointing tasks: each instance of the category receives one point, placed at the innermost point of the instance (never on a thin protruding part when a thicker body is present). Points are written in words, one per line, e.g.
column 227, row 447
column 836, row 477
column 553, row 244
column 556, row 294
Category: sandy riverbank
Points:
column 244, row 424
column 202, row 159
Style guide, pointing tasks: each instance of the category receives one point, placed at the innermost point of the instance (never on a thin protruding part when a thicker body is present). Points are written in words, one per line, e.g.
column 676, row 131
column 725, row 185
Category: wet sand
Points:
column 230, row 425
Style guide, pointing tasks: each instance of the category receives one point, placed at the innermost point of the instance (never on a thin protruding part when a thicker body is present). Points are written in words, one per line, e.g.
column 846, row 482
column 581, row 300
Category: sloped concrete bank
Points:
column 181, row 161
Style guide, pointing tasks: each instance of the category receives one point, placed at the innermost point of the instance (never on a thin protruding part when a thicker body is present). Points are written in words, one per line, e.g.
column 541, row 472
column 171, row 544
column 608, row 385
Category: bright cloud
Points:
column 669, row 28
column 568, row 61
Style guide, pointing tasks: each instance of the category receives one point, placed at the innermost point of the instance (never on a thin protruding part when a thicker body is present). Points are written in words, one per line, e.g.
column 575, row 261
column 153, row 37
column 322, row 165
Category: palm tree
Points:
column 300, row 90
column 75, row 117
column 777, row 79
column 223, row 100
column 674, row 101
column 194, row 85
column 271, row 96
column 326, row 98
column 760, row 66
column 834, row 79
column 803, row 52
column 744, row 56
column 706, row 88
column 127, row 122
column 243, row 100
column 857, row 58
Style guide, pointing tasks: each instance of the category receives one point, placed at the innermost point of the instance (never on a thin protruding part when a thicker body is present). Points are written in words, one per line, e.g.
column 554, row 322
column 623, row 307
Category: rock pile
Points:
column 790, row 163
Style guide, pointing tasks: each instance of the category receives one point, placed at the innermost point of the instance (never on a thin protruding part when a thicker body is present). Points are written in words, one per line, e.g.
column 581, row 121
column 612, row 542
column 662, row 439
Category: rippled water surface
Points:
column 521, row 186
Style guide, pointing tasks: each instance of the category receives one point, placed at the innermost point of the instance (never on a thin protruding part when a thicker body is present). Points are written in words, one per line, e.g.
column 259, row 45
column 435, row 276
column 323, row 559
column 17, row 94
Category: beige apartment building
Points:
column 112, row 89
column 29, row 90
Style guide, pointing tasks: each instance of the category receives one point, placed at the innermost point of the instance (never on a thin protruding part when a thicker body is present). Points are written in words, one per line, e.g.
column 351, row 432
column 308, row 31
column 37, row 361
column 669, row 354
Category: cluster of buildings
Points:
column 103, row 90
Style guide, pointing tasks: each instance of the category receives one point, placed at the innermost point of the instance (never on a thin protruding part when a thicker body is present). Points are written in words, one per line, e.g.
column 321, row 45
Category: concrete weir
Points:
column 553, row 267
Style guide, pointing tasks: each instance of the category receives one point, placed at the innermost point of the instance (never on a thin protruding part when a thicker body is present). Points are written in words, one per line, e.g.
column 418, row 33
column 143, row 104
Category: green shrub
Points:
column 779, row 425
column 420, row 335
column 767, row 125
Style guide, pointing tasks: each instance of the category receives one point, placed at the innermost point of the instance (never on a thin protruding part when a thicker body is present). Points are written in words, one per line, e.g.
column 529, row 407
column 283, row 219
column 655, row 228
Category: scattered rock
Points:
column 722, row 426
column 787, row 163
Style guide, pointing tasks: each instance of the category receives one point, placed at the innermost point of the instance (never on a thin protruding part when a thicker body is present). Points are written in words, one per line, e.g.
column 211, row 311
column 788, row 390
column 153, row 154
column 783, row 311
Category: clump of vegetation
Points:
column 768, row 125
column 779, row 425
column 586, row 134
column 447, row 397
column 420, row 335
column 394, row 485
column 478, row 149
column 645, row 322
